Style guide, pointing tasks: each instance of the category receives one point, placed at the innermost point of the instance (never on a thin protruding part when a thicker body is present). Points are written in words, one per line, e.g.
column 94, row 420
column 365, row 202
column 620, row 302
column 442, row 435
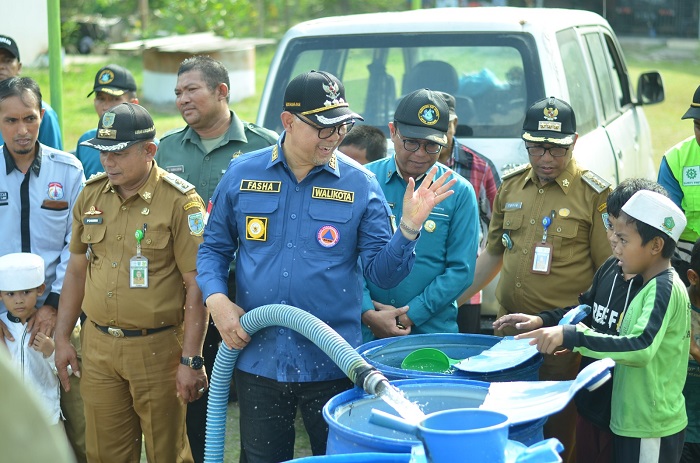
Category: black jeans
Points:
column 267, row 412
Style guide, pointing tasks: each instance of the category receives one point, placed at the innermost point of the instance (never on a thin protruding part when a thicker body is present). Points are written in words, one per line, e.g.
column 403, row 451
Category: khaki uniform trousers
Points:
column 562, row 367
column 72, row 407
column 129, row 389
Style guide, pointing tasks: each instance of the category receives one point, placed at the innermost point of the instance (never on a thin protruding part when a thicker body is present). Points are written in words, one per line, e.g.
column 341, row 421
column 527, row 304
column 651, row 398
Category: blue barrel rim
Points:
column 396, row 373
column 528, row 429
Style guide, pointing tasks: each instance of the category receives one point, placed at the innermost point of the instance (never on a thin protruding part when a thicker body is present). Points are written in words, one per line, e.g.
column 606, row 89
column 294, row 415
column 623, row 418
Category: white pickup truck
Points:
column 496, row 61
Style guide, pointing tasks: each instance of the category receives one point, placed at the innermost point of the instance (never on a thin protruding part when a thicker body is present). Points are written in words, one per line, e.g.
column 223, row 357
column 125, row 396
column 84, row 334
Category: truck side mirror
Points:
column 650, row 88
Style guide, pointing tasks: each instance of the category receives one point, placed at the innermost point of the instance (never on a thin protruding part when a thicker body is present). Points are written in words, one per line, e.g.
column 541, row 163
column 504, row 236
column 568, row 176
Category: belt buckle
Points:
column 116, row 332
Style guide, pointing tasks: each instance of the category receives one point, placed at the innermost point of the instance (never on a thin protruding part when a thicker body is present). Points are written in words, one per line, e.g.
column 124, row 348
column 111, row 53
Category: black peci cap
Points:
column 423, row 114
column 121, row 127
column 550, row 120
column 320, row 97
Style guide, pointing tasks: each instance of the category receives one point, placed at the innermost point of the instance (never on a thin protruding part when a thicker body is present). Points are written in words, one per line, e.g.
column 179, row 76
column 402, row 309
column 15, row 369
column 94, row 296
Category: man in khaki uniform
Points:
column 141, row 351
column 547, row 237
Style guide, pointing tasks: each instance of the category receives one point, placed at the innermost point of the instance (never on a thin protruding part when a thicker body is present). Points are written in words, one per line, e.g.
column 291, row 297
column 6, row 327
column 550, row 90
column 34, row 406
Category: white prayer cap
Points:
column 656, row 210
column 20, row 271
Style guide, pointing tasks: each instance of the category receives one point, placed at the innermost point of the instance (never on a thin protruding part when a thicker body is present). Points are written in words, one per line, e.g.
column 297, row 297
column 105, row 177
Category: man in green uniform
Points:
column 200, row 153
column 547, row 237
column 143, row 337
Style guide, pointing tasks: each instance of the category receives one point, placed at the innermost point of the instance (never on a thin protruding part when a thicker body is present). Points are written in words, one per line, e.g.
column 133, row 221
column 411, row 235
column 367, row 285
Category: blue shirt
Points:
column 445, row 254
column 53, row 182
column 298, row 244
column 49, row 130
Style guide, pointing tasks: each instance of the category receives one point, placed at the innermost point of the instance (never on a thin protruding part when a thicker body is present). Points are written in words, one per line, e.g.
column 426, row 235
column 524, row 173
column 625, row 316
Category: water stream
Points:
column 395, row 398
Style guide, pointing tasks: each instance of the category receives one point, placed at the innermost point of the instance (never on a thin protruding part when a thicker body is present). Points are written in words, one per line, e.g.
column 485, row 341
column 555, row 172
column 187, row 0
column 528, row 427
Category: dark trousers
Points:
column 197, row 410
column 469, row 318
column 268, row 409
column 657, row 449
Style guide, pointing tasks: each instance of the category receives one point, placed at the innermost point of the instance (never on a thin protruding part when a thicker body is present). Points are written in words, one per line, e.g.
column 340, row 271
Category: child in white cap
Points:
column 648, row 416
column 21, row 283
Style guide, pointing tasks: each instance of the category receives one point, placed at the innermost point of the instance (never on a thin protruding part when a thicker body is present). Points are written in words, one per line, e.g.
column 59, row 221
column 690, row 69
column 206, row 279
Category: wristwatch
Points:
column 196, row 362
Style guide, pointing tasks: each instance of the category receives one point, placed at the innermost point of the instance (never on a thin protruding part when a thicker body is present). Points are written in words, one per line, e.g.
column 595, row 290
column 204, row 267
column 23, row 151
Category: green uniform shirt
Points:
column 651, row 352
column 577, row 235
column 182, row 153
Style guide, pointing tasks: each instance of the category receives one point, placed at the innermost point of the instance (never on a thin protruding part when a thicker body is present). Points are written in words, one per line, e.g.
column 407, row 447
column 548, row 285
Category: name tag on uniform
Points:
column 261, row 185
column 513, row 206
column 175, row 169
column 332, row 194
column 92, row 220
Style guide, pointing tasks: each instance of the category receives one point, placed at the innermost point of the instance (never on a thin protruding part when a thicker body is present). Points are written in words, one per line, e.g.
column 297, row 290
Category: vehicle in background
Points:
column 496, row 61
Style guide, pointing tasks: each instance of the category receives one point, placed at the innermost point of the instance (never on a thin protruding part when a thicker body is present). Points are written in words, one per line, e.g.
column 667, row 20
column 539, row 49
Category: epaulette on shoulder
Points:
column 515, row 171
column 595, row 181
column 95, row 177
column 269, row 135
column 181, row 185
column 172, row 132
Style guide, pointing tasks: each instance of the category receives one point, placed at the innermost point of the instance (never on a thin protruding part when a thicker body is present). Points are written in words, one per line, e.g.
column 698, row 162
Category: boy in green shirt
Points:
column 648, row 410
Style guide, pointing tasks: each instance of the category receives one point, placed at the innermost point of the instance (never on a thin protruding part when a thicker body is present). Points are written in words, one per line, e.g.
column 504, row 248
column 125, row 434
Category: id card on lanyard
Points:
column 138, row 265
column 542, row 252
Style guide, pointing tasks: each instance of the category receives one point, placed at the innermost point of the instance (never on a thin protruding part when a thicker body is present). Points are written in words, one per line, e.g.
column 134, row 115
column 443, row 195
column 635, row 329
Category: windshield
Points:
column 492, row 76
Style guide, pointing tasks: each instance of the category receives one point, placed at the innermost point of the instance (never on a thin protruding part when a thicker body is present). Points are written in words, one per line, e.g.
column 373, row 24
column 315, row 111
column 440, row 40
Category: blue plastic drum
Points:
column 387, row 355
column 350, row 431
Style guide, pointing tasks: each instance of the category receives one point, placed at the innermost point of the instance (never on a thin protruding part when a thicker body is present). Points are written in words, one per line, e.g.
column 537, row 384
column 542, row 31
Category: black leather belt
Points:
column 120, row 333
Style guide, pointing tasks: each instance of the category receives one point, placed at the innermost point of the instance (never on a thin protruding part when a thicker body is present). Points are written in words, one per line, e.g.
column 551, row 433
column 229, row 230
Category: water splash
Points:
column 395, row 398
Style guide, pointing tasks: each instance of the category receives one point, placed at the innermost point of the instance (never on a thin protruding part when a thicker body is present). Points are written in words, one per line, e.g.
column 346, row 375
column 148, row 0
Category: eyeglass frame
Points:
column 415, row 140
column 566, row 148
column 334, row 129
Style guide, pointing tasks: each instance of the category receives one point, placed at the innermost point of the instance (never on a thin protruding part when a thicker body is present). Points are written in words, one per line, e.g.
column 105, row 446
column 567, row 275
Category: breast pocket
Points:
column 55, row 220
column 331, row 234
column 94, row 237
column 156, row 247
column 563, row 238
column 259, row 227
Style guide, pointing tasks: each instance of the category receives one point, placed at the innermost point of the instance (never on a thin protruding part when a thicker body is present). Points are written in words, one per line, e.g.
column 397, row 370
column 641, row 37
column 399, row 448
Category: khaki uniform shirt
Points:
column 103, row 228
column 577, row 235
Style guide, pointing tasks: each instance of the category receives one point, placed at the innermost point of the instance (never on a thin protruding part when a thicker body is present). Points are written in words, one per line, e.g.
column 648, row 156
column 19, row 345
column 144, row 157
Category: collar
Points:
column 14, row 319
column 146, row 190
column 395, row 171
column 277, row 157
column 10, row 164
column 565, row 180
column 235, row 132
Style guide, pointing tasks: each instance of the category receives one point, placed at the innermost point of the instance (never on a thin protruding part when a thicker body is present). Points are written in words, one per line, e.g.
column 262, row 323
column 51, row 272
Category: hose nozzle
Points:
column 371, row 380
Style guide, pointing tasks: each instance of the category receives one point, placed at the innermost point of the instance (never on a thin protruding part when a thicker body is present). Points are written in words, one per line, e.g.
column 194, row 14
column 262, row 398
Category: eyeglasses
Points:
column 413, row 145
column 606, row 222
column 327, row 132
column 555, row 151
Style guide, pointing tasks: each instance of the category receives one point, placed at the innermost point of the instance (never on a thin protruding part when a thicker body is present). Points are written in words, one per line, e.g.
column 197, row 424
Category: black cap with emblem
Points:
column 115, row 80
column 423, row 114
column 121, row 127
column 550, row 120
column 320, row 97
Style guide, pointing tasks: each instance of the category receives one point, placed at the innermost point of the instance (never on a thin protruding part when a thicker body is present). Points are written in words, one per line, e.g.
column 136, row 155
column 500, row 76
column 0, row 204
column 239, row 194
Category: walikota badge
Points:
column 196, row 223
column 332, row 93
column 429, row 226
column 55, row 190
column 429, row 114
column 564, row 212
column 551, row 113
column 108, row 120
